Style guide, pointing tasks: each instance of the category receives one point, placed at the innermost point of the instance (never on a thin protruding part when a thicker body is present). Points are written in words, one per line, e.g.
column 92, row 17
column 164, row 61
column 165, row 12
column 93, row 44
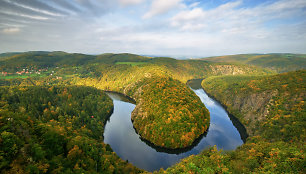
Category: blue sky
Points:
column 178, row 28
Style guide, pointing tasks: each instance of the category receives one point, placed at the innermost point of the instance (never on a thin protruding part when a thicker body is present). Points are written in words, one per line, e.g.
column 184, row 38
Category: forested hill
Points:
column 6, row 55
column 272, row 103
column 96, row 66
column 278, row 62
column 43, row 59
column 56, row 130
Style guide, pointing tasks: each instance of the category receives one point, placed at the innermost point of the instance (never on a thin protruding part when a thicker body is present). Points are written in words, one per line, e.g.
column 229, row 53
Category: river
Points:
column 121, row 136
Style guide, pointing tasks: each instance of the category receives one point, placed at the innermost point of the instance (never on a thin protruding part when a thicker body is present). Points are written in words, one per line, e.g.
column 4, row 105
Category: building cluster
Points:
column 6, row 73
column 25, row 71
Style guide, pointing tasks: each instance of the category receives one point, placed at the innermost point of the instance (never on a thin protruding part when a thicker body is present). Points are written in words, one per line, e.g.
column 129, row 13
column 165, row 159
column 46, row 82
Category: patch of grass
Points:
column 22, row 76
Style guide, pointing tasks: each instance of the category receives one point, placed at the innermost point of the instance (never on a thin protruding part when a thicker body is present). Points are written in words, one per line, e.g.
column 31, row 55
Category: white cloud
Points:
column 195, row 4
column 11, row 30
column 33, row 9
column 229, row 18
column 162, row 6
column 130, row 2
column 36, row 17
column 189, row 18
column 228, row 29
column 287, row 5
column 189, row 30
column 196, row 18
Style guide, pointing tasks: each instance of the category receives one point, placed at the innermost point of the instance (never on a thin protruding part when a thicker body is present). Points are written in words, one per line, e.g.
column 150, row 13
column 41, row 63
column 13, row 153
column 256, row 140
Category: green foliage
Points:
column 185, row 70
column 21, row 76
column 174, row 125
column 278, row 62
column 10, row 144
column 56, row 130
column 124, row 57
column 208, row 161
column 131, row 63
column 259, row 155
column 40, row 59
column 103, row 66
column 256, row 156
column 121, row 76
column 50, row 129
column 9, row 54
column 282, row 96
column 280, row 126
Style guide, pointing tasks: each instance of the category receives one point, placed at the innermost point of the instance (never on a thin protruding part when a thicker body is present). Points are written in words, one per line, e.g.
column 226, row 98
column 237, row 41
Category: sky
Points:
column 177, row 28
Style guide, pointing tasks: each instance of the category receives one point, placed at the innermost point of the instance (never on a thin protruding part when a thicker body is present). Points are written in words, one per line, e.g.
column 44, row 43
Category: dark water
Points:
column 121, row 136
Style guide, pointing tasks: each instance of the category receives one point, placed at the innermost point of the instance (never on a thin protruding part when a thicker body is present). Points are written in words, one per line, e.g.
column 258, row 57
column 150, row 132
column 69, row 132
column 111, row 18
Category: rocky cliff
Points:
column 270, row 105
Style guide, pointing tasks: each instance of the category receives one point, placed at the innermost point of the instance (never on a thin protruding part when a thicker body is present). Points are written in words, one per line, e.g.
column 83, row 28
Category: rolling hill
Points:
column 278, row 62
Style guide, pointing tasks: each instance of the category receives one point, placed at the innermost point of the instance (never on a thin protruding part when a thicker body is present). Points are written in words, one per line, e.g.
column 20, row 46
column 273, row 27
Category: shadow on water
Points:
column 120, row 96
column 240, row 127
column 178, row 150
column 196, row 84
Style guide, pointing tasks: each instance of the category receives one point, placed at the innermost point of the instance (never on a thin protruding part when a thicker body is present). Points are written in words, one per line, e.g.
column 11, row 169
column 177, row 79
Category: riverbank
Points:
column 124, row 140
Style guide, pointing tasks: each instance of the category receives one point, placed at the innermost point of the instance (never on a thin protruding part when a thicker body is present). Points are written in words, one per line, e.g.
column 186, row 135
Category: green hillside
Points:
column 273, row 105
column 277, row 62
column 38, row 60
column 56, row 130
column 7, row 55
column 41, row 59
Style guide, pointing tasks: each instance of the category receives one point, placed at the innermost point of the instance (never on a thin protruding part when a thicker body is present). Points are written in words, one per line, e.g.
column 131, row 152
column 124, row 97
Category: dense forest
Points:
column 175, row 124
column 56, row 130
column 53, row 111
column 277, row 62
column 271, row 106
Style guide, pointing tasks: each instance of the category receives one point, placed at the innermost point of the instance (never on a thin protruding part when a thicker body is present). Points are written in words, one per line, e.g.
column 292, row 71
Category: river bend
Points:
column 121, row 136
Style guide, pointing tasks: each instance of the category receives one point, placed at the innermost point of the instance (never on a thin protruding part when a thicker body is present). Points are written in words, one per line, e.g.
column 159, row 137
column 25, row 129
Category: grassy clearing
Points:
column 22, row 76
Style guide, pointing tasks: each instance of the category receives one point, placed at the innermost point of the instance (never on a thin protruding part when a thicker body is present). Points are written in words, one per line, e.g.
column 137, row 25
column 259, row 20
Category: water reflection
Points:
column 123, row 139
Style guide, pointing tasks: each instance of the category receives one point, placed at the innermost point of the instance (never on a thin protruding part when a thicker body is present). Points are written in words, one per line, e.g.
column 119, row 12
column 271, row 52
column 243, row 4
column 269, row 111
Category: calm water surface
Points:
column 121, row 136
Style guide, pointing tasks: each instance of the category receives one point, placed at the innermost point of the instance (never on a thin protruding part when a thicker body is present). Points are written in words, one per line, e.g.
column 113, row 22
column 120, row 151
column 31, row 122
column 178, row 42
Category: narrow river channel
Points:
column 121, row 136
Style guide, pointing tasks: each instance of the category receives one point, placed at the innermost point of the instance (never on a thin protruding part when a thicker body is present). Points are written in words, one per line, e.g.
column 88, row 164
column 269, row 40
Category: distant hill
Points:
column 96, row 65
column 122, row 57
column 42, row 59
column 279, row 62
column 6, row 55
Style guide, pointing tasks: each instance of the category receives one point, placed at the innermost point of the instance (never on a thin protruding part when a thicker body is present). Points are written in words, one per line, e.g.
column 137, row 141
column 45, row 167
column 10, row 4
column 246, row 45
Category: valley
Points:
column 66, row 105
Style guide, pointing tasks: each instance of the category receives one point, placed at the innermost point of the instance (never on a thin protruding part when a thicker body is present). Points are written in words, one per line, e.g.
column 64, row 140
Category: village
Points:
column 28, row 71
column 25, row 71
